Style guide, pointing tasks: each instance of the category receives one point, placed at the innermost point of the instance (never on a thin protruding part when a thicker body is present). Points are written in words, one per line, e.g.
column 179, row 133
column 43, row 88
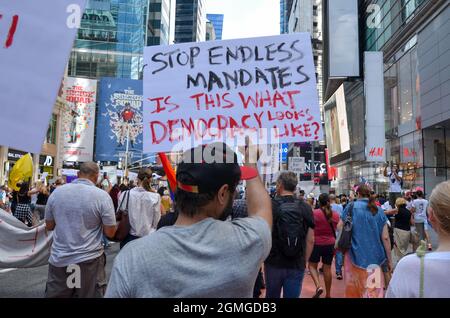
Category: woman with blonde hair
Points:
column 427, row 274
column 402, row 228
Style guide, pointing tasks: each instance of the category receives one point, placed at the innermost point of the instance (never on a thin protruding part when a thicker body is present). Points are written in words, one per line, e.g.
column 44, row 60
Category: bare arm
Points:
column 258, row 200
column 387, row 244
column 309, row 244
column 110, row 231
column 391, row 212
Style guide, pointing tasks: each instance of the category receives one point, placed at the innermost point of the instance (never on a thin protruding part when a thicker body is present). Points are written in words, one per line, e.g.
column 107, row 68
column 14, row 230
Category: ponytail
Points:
column 327, row 210
column 145, row 176
column 365, row 192
column 146, row 184
column 325, row 206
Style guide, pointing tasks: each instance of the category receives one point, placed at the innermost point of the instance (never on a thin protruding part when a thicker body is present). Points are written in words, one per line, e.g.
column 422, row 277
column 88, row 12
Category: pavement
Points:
column 30, row 282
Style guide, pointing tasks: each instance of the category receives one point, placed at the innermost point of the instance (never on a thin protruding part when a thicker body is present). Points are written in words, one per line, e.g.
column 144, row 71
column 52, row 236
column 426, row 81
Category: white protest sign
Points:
column 35, row 42
column 297, row 164
column 195, row 93
column 21, row 246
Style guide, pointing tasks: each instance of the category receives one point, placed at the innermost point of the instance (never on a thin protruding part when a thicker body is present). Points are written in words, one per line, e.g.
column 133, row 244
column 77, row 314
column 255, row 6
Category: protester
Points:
column 395, row 183
column 79, row 213
column 5, row 198
column 425, row 275
column 41, row 202
column 344, row 201
column 402, row 228
column 292, row 240
column 23, row 210
column 339, row 260
column 325, row 221
column 301, row 195
column 105, row 183
column 166, row 202
column 144, row 207
column 59, row 182
column 419, row 210
column 114, row 194
column 370, row 245
column 201, row 255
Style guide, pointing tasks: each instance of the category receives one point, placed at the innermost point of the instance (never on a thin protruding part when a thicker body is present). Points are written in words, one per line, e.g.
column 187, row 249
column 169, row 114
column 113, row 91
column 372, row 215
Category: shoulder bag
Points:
column 344, row 239
column 123, row 227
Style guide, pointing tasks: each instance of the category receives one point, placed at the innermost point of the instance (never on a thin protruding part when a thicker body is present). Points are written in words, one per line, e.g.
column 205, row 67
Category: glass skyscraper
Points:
column 217, row 21
column 158, row 30
column 110, row 40
column 190, row 23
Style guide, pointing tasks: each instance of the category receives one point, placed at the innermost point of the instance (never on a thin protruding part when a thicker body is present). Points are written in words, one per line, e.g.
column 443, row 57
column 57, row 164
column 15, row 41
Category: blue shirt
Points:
column 367, row 246
column 337, row 207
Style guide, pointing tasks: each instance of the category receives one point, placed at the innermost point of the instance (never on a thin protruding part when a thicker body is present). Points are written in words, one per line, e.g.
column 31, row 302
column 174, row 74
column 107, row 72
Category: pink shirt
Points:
column 322, row 230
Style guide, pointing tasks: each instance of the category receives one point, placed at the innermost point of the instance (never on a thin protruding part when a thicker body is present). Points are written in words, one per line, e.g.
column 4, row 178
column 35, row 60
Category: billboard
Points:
column 119, row 119
column 78, row 119
column 195, row 93
column 374, row 95
column 336, row 127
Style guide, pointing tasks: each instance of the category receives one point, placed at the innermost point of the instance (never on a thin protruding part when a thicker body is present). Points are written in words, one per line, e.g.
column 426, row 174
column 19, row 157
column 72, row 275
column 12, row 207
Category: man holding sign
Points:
column 202, row 255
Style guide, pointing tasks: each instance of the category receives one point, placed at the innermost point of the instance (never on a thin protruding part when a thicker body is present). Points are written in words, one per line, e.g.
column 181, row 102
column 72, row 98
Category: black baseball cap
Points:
column 209, row 167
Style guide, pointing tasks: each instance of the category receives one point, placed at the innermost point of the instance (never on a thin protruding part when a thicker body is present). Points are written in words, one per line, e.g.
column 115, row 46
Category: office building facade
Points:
column 190, row 21
column 217, row 22
column 413, row 36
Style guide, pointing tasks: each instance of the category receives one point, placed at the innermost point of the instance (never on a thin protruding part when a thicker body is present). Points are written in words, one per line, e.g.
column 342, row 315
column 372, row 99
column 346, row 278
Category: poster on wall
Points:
column 195, row 93
column 119, row 119
column 79, row 119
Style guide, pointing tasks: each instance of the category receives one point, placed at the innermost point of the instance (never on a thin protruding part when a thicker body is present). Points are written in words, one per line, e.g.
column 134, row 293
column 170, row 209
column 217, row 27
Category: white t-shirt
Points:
column 420, row 215
column 405, row 282
column 394, row 184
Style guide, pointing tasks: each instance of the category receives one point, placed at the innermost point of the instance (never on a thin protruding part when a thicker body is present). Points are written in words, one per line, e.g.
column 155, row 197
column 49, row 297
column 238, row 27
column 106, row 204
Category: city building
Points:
column 159, row 22
column 306, row 16
column 285, row 9
column 217, row 22
column 190, row 21
column 112, row 37
column 413, row 37
column 210, row 32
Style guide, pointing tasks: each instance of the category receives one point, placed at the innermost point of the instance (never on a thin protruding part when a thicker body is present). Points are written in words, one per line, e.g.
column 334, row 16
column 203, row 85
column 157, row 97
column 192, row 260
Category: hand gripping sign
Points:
column 195, row 93
column 35, row 42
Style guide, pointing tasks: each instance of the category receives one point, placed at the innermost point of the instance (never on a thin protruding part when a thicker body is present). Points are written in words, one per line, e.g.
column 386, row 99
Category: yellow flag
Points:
column 22, row 171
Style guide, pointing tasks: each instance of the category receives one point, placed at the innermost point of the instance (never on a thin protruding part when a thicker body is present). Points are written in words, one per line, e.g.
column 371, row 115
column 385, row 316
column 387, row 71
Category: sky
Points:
column 247, row 18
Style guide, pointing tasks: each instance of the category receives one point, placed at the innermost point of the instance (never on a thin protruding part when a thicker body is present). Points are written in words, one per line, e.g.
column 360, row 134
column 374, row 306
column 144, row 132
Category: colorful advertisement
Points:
column 119, row 120
column 79, row 119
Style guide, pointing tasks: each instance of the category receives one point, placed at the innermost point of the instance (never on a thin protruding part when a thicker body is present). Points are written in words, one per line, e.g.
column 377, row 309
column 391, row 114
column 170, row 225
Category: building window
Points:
column 405, row 89
column 51, row 131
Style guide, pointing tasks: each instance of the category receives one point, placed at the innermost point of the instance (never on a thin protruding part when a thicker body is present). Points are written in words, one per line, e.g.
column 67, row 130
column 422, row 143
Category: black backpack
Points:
column 290, row 227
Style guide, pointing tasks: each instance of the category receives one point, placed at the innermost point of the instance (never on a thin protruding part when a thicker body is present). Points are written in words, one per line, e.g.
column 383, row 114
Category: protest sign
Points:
column 195, row 93
column 35, row 42
column 297, row 164
column 79, row 118
column 21, row 246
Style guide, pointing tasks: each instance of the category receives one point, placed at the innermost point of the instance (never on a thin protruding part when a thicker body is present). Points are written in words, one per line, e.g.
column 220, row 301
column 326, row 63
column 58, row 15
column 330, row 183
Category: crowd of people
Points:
column 210, row 242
